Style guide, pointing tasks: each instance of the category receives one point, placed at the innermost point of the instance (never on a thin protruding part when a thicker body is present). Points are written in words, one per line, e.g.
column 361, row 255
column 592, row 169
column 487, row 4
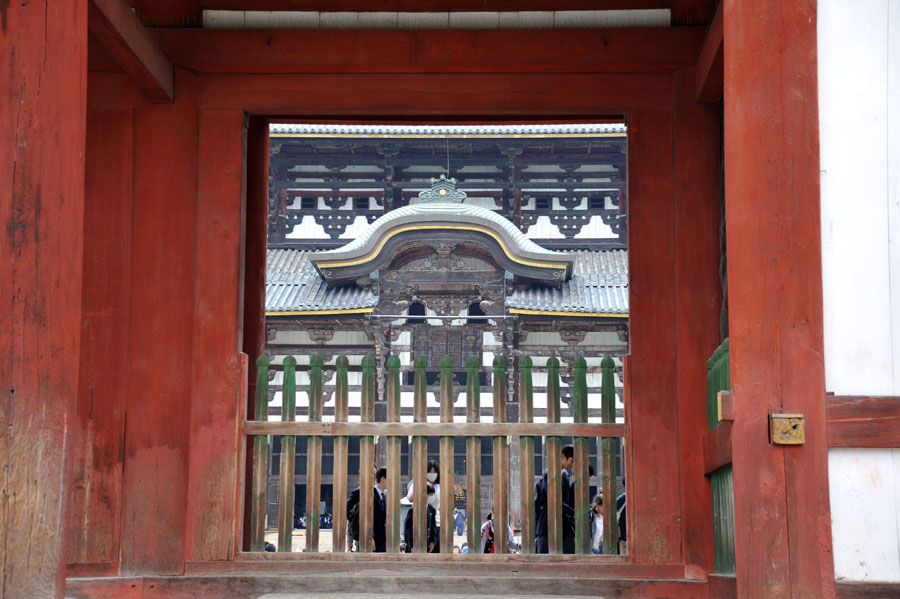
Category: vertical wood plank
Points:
column 447, row 457
column 394, row 493
column 288, row 457
column 554, row 467
column 314, row 457
column 216, row 367
column 526, row 414
column 367, row 458
column 96, row 501
column 501, row 462
column 339, row 503
column 608, row 410
column 698, row 295
column 157, row 445
column 260, row 459
column 254, row 282
column 580, row 469
column 473, row 456
column 42, row 135
column 420, row 461
column 654, row 501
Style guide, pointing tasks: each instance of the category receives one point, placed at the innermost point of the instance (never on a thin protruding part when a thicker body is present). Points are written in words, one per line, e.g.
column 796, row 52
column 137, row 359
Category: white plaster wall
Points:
column 859, row 130
column 865, row 513
column 859, row 134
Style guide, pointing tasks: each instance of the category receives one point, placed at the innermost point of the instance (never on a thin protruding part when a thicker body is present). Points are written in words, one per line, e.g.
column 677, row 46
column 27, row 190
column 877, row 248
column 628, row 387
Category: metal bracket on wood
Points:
column 787, row 429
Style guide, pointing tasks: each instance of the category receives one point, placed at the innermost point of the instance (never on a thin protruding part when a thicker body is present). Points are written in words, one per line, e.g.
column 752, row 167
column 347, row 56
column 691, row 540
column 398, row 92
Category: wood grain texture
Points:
column 157, row 445
column 395, row 491
column 654, row 501
column 42, row 128
column 217, row 325
column 698, row 181
column 774, row 235
column 429, row 51
column 473, row 456
column 863, row 421
column 447, row 454
column 95, row 512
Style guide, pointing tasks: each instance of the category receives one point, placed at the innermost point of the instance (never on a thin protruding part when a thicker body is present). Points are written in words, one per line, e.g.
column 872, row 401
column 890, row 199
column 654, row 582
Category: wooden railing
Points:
column 259, row 429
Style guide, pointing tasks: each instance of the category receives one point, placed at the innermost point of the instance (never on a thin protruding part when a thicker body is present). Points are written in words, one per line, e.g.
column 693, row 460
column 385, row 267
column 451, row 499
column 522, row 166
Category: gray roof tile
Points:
column 599, row 285
column 402, row 130
column 293, row 285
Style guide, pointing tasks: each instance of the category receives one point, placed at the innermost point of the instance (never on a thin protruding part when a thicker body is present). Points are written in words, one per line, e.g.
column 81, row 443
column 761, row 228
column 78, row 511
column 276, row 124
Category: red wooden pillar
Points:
column 654, row 500
column 697, row 303
column 43, row 78
column 96, row 501
column 782, row 522
column 218, row 321
column 162, row 322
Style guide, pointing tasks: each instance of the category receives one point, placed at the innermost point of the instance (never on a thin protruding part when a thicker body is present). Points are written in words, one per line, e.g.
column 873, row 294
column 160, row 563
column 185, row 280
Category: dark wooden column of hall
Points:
column 781, row 504
column 42, row 137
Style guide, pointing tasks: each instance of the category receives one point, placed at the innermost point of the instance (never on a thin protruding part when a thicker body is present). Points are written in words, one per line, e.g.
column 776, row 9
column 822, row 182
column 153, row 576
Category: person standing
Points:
column 431, row 525
column 379, row 492
column 567, row 459
column 597, row 524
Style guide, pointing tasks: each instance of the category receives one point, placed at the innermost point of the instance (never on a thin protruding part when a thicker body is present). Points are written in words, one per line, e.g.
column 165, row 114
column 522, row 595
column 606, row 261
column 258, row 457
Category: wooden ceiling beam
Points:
column 117, row 28
column 434, row 51
column 710, row 71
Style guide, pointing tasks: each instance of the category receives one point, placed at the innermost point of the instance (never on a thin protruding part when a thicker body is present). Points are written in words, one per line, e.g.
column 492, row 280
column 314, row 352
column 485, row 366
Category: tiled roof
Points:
column 599, row 285
column 437, row 130
column 293, row 285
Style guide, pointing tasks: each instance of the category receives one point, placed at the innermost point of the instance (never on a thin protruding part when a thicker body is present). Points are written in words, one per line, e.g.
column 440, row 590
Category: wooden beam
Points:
column 710, row 72
column 434, row 429
column 116, row 26
column 863, row 421
column 445, row 51
column 717, row 448
column 437, row 95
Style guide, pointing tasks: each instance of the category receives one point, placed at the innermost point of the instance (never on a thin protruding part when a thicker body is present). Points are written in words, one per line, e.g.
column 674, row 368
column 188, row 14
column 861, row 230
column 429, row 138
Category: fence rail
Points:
column 258, row 430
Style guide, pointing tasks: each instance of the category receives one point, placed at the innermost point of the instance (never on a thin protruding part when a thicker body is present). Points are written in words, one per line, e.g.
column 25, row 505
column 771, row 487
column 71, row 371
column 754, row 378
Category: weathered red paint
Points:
column 774, row 275
column 697, row 149
column 717, row 447
column 42, row 140
column 438, row 95
column 217, row 340
column 654, row 503
column 863, row 421
column 162, row 315
column 430, row 51
column 95, row 516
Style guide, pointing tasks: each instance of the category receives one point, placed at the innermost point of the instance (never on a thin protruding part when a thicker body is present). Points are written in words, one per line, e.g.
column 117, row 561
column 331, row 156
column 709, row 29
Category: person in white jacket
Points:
column 597, row 524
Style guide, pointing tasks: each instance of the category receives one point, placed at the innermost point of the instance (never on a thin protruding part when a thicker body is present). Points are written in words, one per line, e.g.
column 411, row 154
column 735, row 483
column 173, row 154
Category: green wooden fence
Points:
column 258, row 430
column 718, row 378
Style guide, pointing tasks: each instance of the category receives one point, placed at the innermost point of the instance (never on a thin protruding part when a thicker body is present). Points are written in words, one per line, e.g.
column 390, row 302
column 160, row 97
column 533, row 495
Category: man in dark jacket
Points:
column 380, row 511
column 567, row 459
column 430, row 525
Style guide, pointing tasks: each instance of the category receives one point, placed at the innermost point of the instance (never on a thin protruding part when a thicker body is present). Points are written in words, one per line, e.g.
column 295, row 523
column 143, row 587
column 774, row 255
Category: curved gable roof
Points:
column 443, row 220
